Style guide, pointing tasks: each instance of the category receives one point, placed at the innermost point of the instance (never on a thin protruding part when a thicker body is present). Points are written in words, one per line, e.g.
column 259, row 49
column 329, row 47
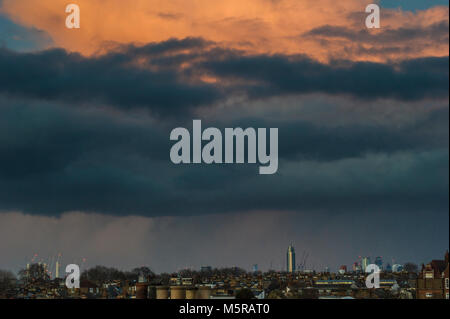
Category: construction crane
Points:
column 303, row 260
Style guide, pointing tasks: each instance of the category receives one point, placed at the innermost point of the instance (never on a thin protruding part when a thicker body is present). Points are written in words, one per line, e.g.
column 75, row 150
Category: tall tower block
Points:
column 57, row 269
column 290, row 259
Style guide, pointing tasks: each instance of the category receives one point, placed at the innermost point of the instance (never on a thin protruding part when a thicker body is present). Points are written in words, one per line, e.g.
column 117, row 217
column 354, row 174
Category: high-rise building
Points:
column 379, row 262
column 342, row 270
column 57, row 270
column 290, row 259
column 205, row 268
column 388, row 267
column 397, row 268
column 364, row 263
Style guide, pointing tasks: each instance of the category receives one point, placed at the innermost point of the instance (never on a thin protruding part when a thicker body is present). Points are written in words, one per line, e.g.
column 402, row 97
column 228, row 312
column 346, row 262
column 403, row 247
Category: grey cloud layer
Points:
column 58, row 75
column 165, row 78
column 75, row 133
column 55, row 159
column 408, row 80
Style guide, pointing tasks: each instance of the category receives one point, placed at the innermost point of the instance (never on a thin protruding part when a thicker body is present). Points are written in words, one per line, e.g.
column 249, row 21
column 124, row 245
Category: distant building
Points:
column 187, row 281
column 88, row 287
column 335, row 284
column 397, row 268
column 290, row 259
column 388, row 268
column 343, row 269
column 433, row 281
column 57, row 270
column 364, row 263
column 205, row 268
column 379, row 262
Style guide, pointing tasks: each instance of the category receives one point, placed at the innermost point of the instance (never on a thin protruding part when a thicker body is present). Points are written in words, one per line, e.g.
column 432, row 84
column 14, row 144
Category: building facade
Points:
column 433, row 280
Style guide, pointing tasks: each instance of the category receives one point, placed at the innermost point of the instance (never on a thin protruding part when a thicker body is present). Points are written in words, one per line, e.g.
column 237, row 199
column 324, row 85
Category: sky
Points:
column 86, row 115
column 412, row 4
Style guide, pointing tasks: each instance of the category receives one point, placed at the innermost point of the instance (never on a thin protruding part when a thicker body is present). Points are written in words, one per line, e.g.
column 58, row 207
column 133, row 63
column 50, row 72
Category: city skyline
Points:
column 55, row 264
column 364, row 281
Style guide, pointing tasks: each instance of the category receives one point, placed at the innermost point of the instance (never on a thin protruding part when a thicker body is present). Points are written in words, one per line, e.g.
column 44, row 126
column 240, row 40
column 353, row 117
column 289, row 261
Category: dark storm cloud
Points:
column 302, row 140
column 277, row 75
column 56, row 74
column 436, row 32
column 165, row 77
column 306, row 141
column 43, row 139
column 169, row 46
column 55, row 159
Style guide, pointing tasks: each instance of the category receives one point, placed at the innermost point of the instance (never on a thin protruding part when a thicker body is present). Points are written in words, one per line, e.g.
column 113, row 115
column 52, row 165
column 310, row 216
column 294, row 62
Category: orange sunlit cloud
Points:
column 258, row 26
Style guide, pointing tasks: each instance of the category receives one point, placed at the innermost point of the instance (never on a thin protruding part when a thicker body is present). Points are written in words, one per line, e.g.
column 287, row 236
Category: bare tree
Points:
column 35, row 272
column 411, row 268
column 145, row 272
column 102, row 274
column 7, row 280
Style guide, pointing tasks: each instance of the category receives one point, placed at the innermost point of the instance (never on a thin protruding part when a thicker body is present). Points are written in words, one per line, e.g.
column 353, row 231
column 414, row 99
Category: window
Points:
column 446, row 283
column 429, row 295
